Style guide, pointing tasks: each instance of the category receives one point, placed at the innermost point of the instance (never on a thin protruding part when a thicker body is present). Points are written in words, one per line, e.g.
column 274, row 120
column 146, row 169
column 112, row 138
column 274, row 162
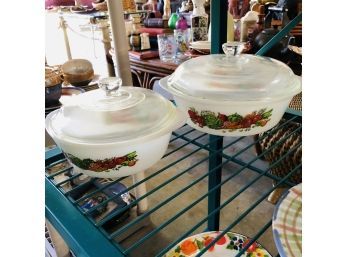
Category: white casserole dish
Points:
column 116, row 135
column 232, row 95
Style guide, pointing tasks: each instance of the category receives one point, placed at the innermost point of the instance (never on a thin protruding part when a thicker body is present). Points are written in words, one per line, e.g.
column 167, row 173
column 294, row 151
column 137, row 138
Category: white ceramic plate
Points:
column 228, row 246
column 201, row 46
column 287, row 223
column 295, row 49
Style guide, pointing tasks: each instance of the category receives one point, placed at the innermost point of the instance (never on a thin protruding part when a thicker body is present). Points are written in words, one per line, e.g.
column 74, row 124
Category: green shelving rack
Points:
column 87, row 236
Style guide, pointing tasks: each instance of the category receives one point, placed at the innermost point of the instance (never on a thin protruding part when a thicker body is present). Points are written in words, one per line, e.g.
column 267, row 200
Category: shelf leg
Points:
column 215, row 159
column 218, row 11
column 103, row 25
column 140, row 190
column 218, row 34
column 66, row 39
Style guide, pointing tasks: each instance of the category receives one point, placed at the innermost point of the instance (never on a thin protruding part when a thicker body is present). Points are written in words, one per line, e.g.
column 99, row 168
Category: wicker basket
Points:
column 291, row 160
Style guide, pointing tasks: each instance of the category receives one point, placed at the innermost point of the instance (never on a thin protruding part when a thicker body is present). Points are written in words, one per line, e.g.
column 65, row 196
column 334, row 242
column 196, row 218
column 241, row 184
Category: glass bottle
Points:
column 261, row 20
column 230, row 27
column 135, row 39
column 181, row 23
column 199, row 22
column 237, row 25
column 166, row 10
column 172, row 20
column 248, row 21
column 151, row 5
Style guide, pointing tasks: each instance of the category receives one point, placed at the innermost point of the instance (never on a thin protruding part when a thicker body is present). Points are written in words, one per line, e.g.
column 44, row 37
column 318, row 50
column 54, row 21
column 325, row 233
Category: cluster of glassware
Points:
column 172, row 47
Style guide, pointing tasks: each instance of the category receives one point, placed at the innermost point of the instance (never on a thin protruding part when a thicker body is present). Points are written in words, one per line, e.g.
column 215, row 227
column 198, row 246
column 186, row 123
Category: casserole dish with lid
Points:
column 233, row 94
column 113, row 131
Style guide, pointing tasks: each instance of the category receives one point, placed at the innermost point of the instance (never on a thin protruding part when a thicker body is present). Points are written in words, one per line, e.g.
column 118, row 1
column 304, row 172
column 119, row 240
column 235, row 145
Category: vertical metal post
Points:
column 140, row 190
column 218, row 20
column 119, row 42
column 215, row 159
column 66, row 39
column 103, row 25
column 218, row 35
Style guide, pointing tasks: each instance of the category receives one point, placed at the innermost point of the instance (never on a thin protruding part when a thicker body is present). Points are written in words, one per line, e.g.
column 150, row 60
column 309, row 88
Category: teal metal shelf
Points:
column 74, row 223
column 88, row 236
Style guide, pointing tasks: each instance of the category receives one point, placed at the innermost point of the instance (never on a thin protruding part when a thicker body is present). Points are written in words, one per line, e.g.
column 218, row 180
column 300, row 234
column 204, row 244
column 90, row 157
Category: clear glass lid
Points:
column 234, row 76
column 111, row 114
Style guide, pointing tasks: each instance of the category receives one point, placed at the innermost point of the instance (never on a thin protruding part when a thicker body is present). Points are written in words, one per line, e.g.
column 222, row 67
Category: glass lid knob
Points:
column 110, row 85
column 233, row 48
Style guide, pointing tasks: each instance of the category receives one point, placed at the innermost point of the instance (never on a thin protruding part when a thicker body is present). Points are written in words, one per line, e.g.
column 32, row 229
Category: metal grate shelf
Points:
column 191, row 167
column 207, row 177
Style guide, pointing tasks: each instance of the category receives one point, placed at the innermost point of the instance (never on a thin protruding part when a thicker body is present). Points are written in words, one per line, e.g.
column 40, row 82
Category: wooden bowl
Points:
column 78, row 71
column 80, row 79
column 77, row 67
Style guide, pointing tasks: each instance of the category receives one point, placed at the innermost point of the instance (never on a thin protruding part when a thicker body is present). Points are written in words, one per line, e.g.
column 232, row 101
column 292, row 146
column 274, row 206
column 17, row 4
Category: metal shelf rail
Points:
column 87, row 236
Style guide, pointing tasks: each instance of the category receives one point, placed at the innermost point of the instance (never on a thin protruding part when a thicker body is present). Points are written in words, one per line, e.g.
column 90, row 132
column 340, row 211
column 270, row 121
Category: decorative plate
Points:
column 193, row 53
column 229, row 245
column 287, row 223
column 82, row 9
column 68, row 91
column 201, row 46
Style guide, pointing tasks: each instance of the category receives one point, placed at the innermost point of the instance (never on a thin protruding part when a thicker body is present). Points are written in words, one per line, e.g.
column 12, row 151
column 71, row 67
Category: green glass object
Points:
column 172, row 20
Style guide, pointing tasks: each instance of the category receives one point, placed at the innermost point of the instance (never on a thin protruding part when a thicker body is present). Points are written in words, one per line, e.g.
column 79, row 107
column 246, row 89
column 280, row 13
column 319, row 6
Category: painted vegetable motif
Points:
column 230, row 243
column 231, row 122
column 107, row 164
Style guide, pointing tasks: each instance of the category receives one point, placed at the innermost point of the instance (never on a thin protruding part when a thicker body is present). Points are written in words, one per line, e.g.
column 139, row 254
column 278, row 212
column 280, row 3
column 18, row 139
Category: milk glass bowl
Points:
column 232, row 94
column 114, row 131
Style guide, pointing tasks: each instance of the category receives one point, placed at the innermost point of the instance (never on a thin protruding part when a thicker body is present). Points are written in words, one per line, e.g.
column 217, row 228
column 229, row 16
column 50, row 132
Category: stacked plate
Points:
column 287, row 223
column 202, row 47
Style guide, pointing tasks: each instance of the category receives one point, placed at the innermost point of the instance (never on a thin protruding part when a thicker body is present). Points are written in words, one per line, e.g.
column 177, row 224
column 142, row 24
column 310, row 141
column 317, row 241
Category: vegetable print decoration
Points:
column 107, row 164
column 230, row 121
column 227, row 246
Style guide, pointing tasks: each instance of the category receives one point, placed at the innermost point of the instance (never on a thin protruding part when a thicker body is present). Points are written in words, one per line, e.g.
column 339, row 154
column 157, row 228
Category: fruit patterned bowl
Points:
column 229, row 245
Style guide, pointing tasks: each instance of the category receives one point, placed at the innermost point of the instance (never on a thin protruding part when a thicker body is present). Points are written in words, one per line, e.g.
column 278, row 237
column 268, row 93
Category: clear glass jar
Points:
column 237, row 27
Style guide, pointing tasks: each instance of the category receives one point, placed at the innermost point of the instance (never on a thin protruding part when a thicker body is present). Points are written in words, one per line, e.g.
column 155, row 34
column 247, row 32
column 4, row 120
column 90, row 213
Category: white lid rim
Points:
column 286, row 95
column 177, row 120
column 267, row 80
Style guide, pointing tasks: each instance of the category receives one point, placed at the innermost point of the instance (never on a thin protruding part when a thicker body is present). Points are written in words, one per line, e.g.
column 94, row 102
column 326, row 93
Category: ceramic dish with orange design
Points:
column 229, row 245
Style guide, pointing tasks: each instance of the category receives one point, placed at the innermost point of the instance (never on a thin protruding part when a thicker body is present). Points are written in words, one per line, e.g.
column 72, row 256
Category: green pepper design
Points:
column 104, row 165
column 235, row 117
column 200, row 244
column 211, row 120
column 267, row 114
column 218, row 121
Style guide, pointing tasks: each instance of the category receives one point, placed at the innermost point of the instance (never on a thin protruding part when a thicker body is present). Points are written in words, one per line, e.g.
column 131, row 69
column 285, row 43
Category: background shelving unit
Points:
column 223, row 169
